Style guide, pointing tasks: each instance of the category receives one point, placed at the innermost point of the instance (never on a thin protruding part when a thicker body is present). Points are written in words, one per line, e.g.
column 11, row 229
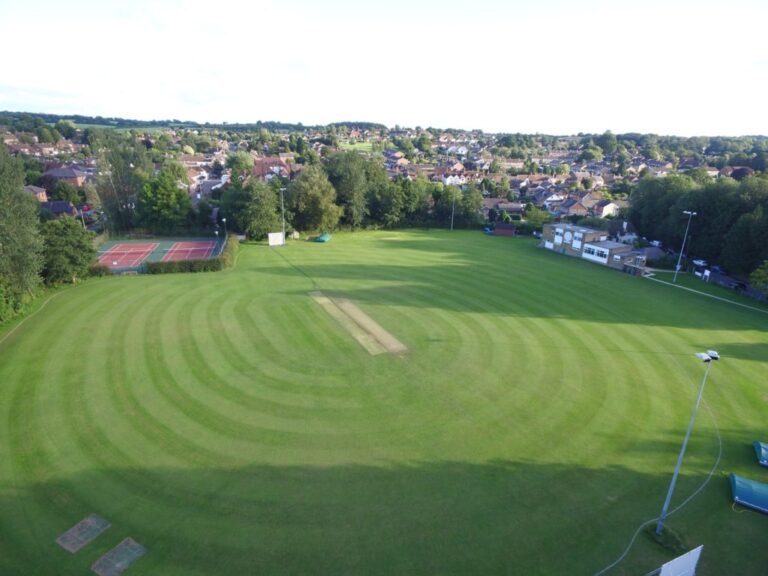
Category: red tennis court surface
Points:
column 126, row 255
column 190, row 251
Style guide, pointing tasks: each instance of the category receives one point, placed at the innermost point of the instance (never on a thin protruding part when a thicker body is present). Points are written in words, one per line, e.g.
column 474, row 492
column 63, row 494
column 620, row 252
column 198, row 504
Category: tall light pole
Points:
column 282, row 211
column 685, row 237
column 224, row 220
column 706, row 357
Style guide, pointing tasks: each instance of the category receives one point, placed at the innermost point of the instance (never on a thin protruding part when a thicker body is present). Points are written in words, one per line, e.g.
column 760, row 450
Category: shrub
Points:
column 97, row 270
column 665, row 262
column 224, row 260
column 229, row 254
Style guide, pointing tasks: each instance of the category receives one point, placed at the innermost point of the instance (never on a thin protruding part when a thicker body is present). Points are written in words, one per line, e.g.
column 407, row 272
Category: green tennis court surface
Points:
column 131, row 254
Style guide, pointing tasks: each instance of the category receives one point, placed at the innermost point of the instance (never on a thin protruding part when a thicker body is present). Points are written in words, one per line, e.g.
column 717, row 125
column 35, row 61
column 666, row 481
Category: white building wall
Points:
column 595, row 254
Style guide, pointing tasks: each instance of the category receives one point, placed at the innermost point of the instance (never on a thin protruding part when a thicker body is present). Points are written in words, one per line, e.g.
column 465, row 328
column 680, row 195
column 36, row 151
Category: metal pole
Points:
column 660, row 525
column 685, row 237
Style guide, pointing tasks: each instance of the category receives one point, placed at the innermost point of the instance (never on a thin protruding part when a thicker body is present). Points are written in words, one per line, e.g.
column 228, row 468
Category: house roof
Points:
column 65, row 172
column 269, row 165
column 59, row 207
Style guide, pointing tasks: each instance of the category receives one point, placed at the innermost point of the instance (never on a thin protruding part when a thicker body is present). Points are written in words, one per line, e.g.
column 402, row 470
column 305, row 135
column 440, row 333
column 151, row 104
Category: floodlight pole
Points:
column 685, row 236
column 710, row 356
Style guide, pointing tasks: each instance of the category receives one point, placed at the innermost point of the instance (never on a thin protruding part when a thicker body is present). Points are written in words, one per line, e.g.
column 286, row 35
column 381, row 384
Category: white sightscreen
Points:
column 684, row 565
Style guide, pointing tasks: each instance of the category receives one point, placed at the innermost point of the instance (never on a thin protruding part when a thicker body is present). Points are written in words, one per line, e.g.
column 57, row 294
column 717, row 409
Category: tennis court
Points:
column 127, row 255
column 130, row 256
column 190, row 251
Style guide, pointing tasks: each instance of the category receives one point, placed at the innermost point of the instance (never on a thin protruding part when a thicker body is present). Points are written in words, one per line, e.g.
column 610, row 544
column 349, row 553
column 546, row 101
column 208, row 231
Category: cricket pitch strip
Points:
column 362, row 327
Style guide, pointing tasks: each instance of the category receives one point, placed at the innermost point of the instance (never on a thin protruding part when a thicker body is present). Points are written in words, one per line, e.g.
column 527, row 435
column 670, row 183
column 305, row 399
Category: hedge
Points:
column 224, row 260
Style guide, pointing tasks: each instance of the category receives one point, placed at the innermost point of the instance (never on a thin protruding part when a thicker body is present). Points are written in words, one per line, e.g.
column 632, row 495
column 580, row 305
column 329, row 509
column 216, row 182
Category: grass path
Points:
column 230, row 425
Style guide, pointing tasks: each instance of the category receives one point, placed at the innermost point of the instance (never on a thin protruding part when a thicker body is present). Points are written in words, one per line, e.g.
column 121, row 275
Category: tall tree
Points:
column 744, row 247
column 63, row 190
column 260, row 212
column 162, row 205
column 417, row 199
column 759, row 278
column 68, row 250
column 124, row 167
column 607, row 142
column 385, row 200
column 471, row 205
column 346, row 172
column 313, row 200
column 66, row 128
column 535, row 217
column 241, row 164
column 234, row 199
column 20, row 243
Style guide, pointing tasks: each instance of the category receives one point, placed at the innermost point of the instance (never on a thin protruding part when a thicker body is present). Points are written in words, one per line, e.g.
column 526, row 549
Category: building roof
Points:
column 65, row 172
column 610, row 245
column 59, row 207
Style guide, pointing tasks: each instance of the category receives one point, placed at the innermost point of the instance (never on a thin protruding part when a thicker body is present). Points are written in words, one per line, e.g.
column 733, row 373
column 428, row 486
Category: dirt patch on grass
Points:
column 117, row 560
column 82, row 533
column 362, row 327
column 390, row 343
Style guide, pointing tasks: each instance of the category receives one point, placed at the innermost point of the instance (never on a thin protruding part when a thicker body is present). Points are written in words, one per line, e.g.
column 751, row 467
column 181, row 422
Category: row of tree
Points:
column 350, row 191
column 31, row 252
column 731, row 222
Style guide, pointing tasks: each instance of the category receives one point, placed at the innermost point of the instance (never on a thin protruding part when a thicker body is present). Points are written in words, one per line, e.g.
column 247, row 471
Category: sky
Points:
column 678, row 67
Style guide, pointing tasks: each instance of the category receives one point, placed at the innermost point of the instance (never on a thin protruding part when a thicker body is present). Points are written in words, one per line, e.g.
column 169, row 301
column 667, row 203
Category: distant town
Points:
column 111, row 173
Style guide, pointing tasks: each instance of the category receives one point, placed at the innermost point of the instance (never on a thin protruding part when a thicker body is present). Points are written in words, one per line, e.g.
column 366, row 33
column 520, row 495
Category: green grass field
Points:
column 357, row 146
column 226, row 422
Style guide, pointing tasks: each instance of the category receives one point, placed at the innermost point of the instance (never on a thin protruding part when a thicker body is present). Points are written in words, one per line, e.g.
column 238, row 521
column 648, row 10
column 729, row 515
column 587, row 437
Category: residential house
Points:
column 501, row 205
column 270, row 166
column 605, row 208
column 510, row 207
column 40, row 193
column 67, row 174
column 208, row 186
column 590, row 199
column 59, row 208
column 193, row 160
column 572, row 207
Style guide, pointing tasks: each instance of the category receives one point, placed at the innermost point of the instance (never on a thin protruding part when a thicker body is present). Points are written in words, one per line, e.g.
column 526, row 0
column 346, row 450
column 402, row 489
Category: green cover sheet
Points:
column 761, row 451
column 750, row 493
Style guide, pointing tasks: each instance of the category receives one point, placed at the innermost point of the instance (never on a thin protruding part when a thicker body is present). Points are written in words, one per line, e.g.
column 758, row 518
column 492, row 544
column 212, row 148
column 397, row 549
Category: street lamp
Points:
column 224, row 220
column 685, row 236
column 282, row 211
column 217, row 235
column 707, row 358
